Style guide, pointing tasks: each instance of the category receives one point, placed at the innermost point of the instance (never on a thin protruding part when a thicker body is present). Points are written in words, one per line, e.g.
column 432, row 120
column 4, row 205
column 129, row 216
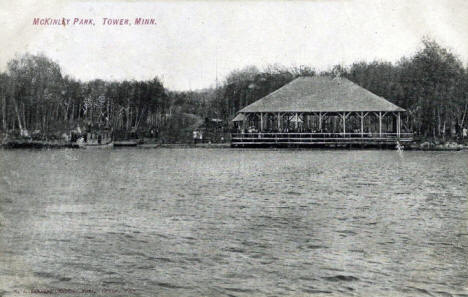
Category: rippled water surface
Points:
column 222, row 222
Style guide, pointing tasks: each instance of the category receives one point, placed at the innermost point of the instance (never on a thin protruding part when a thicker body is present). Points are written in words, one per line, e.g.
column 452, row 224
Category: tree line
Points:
column 432, row 85
column 35, row 97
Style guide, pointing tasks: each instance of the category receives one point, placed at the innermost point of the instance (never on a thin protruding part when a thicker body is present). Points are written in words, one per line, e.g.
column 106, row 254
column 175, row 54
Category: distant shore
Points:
column 37, row 144
column 25, row 144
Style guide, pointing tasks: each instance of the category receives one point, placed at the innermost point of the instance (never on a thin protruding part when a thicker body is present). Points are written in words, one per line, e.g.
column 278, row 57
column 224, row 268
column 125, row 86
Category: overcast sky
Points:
column 193, row 41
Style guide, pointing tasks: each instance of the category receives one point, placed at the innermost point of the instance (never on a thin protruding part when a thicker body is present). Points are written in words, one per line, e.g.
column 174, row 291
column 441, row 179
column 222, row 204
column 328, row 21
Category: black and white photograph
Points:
column 268, row 148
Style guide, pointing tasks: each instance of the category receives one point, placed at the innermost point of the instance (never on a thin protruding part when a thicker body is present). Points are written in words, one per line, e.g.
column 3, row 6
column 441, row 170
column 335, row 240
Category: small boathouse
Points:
column 320, row 111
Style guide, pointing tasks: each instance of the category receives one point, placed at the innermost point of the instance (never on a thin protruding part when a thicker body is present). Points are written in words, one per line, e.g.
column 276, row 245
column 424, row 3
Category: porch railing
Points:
column 320, row 137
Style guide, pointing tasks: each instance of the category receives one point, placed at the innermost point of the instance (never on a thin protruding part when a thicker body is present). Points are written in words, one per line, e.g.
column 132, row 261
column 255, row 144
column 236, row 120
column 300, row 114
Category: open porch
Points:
column 321, row 128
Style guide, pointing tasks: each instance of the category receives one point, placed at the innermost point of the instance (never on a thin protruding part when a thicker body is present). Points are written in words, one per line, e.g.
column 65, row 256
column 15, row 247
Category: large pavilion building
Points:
column 317, row 111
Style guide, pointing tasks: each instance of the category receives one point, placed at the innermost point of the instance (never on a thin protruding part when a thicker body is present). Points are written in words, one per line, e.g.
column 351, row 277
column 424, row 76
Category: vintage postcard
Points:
column 234, row 148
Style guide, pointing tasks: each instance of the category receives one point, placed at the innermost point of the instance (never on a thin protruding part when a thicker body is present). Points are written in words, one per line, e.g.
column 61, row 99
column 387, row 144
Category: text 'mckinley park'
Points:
column 104, row 21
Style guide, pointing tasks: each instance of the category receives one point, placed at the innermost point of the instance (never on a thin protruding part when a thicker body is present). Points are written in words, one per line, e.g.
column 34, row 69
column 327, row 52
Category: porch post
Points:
column 362, row 116
column 279, row 122
column 362, row 123
column 297, row 120
column 344, row 123
column 380, row 124
column 398, row 125
column 261, row 121
column 320, row 121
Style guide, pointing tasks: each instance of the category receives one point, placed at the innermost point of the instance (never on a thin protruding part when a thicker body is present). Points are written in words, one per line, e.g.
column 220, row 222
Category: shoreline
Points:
column 424, row 146
column 37, row 144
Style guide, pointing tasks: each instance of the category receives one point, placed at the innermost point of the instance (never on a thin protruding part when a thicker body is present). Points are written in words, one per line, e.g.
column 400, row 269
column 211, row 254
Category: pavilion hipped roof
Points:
column 321, row 94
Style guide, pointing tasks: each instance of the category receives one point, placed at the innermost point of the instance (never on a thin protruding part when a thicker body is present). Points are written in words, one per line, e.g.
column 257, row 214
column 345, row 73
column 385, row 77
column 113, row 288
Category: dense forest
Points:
column 37, row 98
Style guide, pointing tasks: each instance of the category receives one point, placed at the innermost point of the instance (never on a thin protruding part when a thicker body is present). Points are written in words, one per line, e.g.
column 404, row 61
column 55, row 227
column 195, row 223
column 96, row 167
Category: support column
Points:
column 297, row 121
column 380, row 124
column 362, row 123
column 261, row 122
column 344, row 116
column 320, row 121
column 398, row 125
column 344, row 124
column 362, row 116
column 279, row 122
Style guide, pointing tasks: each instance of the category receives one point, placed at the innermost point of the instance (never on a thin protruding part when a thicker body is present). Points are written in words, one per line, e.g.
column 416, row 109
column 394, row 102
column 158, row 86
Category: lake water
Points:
column 231, row 222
